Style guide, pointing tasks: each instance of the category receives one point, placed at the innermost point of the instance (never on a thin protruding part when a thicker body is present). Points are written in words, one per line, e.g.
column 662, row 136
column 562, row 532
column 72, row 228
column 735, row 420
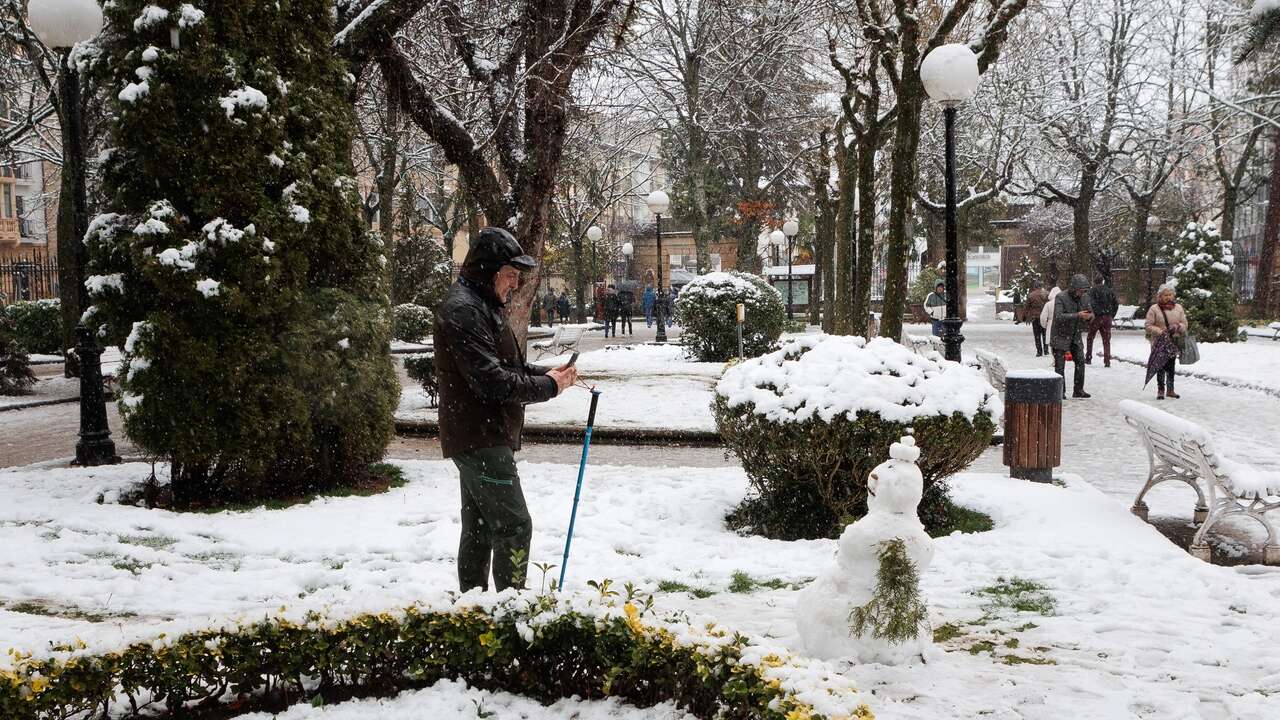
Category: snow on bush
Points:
column 1203, row 273
column 16, row 377
column 521, row 643
column 411, row 323
column 810, row 420
column 707, row 311
column 37, row 325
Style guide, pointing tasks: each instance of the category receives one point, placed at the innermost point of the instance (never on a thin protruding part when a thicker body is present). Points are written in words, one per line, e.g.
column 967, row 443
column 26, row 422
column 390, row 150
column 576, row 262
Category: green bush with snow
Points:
column 421, row 271
column 15, row 368
column 706, row 310
column 232, row 254
column 1203, row 272
column 811, row 420
column 37, row 325
column 411, row 323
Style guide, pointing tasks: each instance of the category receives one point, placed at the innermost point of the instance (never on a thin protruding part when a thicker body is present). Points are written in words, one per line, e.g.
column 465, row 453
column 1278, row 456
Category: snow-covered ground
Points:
column 454, row 699
column 1126, row 625
column 1254, row 364
column 54, row 389
column 643, row 386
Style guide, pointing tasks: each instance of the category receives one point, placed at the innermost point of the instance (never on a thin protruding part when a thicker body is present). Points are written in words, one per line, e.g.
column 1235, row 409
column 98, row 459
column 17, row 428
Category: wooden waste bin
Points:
column 1033, row 424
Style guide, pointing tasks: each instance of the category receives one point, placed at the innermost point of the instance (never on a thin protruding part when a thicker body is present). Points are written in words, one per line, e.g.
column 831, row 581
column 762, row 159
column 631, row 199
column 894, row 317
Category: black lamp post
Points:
column 659, row 203
column 60, row 24
column 950, row 77
column 790, row 228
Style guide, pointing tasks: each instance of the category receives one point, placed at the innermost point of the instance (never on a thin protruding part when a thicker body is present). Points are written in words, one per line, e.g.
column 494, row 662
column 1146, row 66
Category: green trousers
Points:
column 496, row 527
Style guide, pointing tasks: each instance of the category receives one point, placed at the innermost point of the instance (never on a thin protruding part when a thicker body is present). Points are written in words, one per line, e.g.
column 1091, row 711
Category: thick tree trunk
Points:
column 846, row 250
column 1081, row 258
column 823, row 234
column 866, row 228
column 697, row 163
column 1230, row 202
column 902, row 187
column 579, row 284
column 1266, row 296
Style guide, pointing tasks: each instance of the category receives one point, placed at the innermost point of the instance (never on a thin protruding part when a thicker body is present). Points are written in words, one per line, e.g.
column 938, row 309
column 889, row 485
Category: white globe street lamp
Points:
column 790, row 228
column 60, row 24
column 627, row 250
column 659, row 202
column 950, row 77
column 594, row 233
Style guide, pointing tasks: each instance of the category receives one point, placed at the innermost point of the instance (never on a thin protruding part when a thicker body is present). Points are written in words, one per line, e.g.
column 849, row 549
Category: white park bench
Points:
column 994, row 367
column 1183, row 451
column 1125, row 317
column 564, row 339
column 1276, row 327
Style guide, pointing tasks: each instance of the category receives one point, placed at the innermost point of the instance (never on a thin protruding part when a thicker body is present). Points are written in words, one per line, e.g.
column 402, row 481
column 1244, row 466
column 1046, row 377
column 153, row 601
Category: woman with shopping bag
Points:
column 1167, row 330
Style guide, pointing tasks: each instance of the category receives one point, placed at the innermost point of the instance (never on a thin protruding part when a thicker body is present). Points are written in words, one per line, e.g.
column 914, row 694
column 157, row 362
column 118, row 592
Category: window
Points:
column 7, row 209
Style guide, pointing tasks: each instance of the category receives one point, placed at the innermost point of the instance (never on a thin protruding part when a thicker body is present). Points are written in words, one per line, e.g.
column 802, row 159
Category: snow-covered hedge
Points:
column 411, row 323
column 37, row 325
column 1203, row 272
column 810, row 420
column 15, row 368
column 542, row 646
column 707, row 311
column 423, row 369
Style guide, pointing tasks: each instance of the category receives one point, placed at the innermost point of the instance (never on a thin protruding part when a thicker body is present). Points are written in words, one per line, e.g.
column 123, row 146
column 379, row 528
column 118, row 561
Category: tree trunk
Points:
column 1081, row 258
column 579, row 283
column 390, row 165
column 870, row 142
column 1266, row 299
column 902, row 186
column 698, row 185
column 820, row 298
column 846, row 251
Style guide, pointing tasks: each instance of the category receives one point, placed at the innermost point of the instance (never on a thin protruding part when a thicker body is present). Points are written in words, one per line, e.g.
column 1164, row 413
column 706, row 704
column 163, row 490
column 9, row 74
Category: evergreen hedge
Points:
column 37, row 325
column 15, row 369
column 706, row 311
column 809, row 461
column 545, row 647
column 1205, row 278
column 411, row 323
column 233, row 256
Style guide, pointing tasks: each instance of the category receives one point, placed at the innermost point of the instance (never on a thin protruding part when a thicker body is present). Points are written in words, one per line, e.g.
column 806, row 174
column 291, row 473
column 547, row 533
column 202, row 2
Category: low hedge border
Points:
column 544, row 646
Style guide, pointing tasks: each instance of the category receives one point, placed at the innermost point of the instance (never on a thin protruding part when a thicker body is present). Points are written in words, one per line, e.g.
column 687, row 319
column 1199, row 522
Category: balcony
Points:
column 10, row 232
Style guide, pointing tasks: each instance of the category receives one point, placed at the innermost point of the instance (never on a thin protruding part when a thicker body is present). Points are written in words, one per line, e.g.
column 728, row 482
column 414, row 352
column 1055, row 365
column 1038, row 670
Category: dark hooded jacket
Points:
column 484, row 379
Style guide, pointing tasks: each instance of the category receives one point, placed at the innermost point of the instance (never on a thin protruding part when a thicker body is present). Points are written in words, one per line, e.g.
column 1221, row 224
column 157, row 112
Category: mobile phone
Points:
column 572, row 359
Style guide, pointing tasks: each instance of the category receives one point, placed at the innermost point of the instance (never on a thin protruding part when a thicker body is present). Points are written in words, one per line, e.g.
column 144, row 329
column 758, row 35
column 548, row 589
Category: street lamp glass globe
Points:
column 63, row 23
column 778, row 238
column 1153, row 223
column 594, row 233
column 950, row 73
column 790, row 228
column 627, row 249
column 658, row 202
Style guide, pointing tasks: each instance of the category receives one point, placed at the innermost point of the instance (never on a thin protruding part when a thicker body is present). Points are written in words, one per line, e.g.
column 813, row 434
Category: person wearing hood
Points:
column 1071, row 316
column 935, row 306
column 1034, row 308
column 484, row 385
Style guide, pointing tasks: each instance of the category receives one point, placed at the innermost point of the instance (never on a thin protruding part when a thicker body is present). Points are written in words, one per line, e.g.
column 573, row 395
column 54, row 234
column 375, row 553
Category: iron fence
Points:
column 33, row 276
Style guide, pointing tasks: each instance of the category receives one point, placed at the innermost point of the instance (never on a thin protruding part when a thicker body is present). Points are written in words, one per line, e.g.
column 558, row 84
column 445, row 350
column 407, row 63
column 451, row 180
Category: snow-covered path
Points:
column 1099, row 446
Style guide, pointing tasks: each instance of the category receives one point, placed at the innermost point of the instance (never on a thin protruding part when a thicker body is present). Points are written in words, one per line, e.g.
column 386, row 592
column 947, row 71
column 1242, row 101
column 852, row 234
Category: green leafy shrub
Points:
column 15, row 369
column 232, row 258
column 544, row 647
column 423, row 369
column 706, row 309
column 926, row 281
column 1202, row 270
column 411, row 323
column 37, row 325
column 421, row 272
column 810, row 421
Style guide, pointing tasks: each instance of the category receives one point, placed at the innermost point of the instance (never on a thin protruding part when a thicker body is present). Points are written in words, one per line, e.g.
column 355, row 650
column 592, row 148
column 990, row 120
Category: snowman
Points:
column 824, row 608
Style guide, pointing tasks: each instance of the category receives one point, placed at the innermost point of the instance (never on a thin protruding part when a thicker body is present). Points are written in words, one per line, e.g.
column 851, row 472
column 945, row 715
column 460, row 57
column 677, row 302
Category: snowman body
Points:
column 823, row 610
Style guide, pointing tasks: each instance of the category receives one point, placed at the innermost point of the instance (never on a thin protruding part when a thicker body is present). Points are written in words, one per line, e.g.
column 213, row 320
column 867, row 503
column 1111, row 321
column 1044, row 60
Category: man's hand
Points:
column 1084, row 314
column 564, row 376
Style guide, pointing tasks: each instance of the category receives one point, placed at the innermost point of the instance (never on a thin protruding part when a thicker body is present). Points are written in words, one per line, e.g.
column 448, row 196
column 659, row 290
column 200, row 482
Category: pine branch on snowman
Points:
column 867, row 606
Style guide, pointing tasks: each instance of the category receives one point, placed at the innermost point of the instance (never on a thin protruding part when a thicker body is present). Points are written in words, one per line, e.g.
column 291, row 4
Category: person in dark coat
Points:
column 549, row 302
column 1036, row 300
column 611, row 311
column 564, row 307
column 1071, row 315
column 1102, row 301
column 935, row 306
column 485, row 383
column 626, row 308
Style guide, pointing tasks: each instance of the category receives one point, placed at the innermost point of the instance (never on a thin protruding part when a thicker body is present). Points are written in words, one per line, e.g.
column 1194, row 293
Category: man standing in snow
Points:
column 1102, row 300
column 1035, row 303
column 484, row 385
column 935, row 306
column 1071, row 315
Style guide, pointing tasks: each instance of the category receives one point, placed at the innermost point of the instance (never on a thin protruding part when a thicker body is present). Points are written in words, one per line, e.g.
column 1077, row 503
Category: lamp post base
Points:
column 951, row 337
column 95, row 446
column 96, row 449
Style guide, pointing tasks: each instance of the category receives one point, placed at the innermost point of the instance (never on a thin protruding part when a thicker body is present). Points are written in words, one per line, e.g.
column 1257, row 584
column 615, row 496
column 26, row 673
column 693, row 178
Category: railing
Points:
column 9, row 229
column 30, row 277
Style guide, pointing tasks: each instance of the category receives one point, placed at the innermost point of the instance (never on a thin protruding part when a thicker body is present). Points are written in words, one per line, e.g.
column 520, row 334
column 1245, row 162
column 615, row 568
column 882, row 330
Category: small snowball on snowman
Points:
column 867, row 607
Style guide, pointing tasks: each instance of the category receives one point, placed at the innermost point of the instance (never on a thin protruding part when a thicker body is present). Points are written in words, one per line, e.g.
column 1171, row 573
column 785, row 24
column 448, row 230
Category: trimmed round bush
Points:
column 15, row 368
column 411, row 323
column 812, row 419
column 37, row 325
column 546, row 647
column 707, row 311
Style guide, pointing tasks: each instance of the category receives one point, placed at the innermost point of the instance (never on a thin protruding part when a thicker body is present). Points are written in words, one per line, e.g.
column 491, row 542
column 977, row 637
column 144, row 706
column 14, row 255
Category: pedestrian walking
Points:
column 1102, row 300
column 1046, row 317
column 935, row 306
column 1166, row 323
column 611, row 311
column 564, row 307
column 626, row 307
column 549, row 302
column 1036, row 300
column 485, row 383
column 648, row 301
column 1071, row 315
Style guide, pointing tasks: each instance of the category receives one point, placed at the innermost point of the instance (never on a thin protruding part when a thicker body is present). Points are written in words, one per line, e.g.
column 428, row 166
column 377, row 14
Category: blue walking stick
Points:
column 577, row 493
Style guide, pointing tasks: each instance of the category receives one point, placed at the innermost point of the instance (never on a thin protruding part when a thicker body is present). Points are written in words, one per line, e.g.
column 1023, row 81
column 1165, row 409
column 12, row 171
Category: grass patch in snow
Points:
column 948, row 631
column 675, row 586
column 1020, row 595
column 382, row 477
column 962, row 520
column 69, row 613
column 744, row 583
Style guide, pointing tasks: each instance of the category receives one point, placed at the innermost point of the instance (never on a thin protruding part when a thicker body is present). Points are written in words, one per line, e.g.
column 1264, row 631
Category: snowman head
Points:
column 896, row 485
